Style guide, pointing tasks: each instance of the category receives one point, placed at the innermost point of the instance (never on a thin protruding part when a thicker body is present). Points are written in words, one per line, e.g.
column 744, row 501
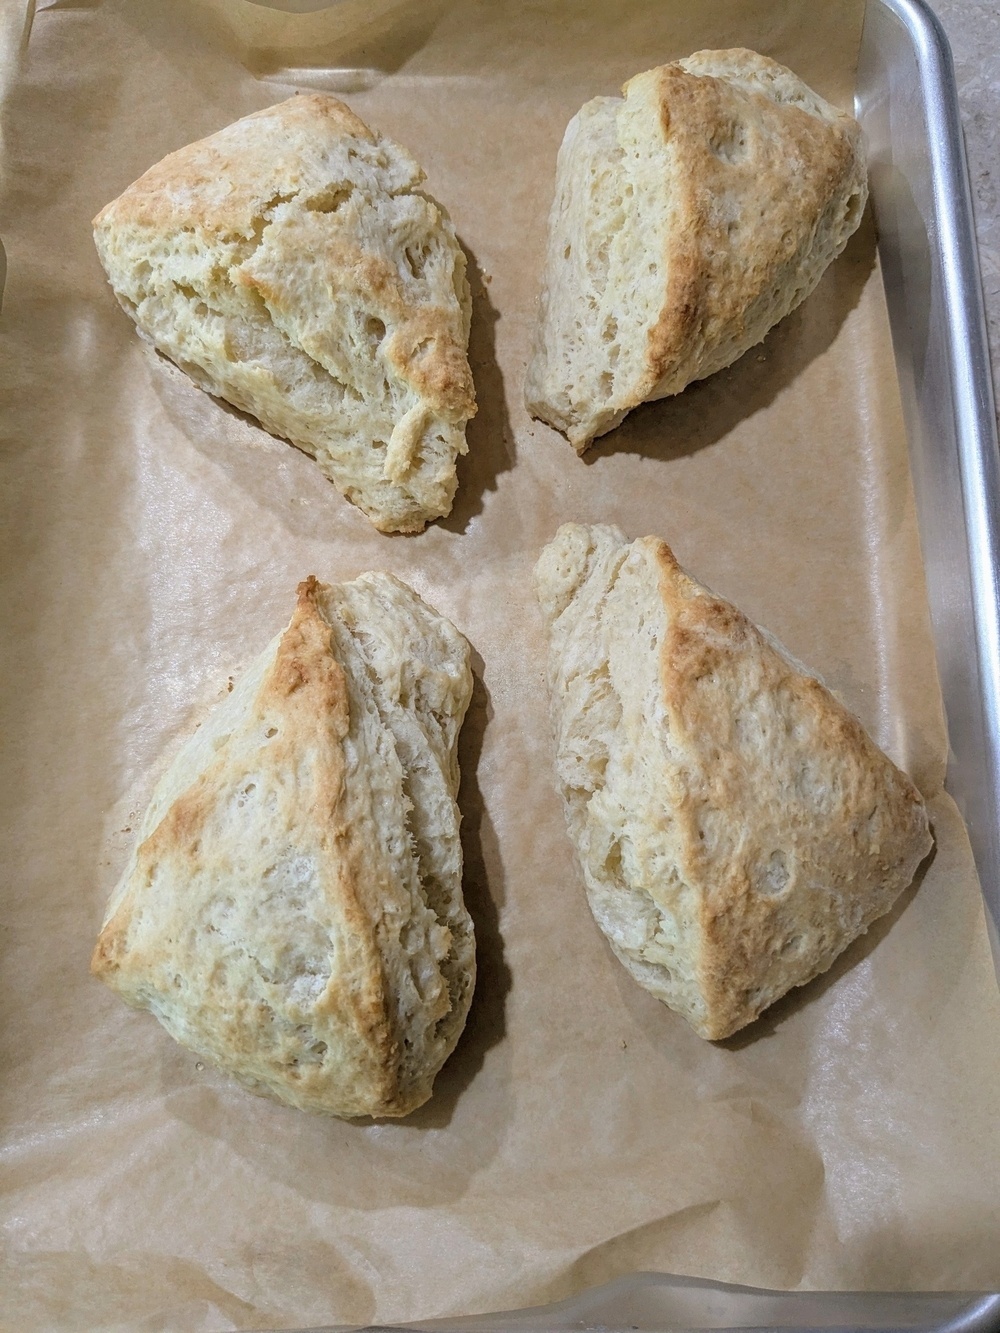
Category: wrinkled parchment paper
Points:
column 153, row 539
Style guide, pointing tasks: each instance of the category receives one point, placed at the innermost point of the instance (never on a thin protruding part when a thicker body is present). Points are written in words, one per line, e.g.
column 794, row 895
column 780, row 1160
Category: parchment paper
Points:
column 152, row 542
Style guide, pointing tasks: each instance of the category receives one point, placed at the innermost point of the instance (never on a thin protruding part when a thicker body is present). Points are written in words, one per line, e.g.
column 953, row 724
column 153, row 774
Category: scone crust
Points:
column 731, row 188
column 304, row 1005
column 736, row 826
column 281, row 262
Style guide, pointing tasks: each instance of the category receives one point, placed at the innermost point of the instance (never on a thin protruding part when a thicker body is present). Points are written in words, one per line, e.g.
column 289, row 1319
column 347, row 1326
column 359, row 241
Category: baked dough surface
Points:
column 292, row 265
column 293, row 908
column 736, row 826
column 690, row 216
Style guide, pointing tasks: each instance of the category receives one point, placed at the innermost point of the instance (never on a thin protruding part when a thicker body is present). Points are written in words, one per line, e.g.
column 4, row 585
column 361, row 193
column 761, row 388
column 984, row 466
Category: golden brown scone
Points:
column 293, row 908
column 689, row 217
column 736, row 825
column 291, row 264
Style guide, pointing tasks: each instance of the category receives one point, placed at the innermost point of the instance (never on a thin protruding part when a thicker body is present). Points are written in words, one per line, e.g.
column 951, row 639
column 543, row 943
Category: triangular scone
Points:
column 736, row 825
column 291, row 265
column 689, row 217
column 293, row 909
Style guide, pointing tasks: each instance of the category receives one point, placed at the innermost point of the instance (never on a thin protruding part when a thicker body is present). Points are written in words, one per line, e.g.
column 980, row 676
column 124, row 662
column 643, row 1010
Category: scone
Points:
column 293, row 908
column 736, row 826
column 292, row 265
column 689, row 217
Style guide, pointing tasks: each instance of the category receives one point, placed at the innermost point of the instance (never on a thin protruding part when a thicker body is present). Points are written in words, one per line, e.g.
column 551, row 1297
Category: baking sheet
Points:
column 152, row 542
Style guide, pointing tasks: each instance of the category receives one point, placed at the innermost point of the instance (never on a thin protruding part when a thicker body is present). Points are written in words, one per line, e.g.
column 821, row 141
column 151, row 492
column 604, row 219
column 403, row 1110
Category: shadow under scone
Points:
column 492, row 447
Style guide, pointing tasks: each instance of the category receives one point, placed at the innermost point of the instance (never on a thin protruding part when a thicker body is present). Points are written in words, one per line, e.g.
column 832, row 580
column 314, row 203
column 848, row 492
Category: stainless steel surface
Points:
column 973, row 28
column 920, row 192
column 651, row 1303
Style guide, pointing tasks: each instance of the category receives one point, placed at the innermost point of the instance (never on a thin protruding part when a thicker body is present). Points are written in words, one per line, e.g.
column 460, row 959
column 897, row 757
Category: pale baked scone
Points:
column 293, row 908
column 291, row 264
column 689, row 217
column 736, row 826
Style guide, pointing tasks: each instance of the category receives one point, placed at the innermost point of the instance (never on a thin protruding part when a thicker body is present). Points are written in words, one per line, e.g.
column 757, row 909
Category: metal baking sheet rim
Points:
column 920, row 188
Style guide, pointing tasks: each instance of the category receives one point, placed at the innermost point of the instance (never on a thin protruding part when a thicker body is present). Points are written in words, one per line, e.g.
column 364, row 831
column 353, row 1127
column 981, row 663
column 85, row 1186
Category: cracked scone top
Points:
column 291, row 265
